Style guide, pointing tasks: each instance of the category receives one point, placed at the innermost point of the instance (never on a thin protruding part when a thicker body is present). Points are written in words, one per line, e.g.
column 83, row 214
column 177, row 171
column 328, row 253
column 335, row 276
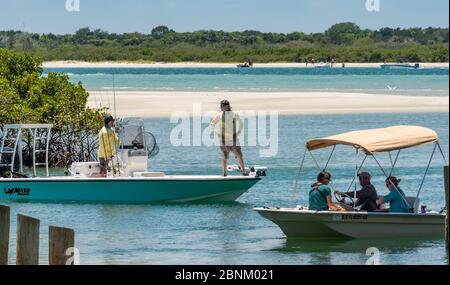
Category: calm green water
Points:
column 233, row 233
column 423, row 82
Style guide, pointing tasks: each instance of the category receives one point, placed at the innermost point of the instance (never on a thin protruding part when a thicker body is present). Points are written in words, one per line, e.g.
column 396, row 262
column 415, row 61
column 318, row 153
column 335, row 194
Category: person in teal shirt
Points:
column 396, row 197
column 320, row 194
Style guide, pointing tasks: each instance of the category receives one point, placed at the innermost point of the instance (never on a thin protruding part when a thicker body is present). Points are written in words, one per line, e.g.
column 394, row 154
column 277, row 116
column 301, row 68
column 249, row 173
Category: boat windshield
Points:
column 131, row 133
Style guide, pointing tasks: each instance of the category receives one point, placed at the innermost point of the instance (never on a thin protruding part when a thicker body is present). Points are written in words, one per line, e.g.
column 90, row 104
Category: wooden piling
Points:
column 59, row 240
column 446, row 204
column 27, row 244
column 4, row 234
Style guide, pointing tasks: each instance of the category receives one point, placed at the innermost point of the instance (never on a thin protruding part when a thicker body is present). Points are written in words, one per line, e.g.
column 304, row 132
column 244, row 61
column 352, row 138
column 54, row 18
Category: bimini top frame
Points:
column 13, row 133
column 379, row 140
column 376, row 141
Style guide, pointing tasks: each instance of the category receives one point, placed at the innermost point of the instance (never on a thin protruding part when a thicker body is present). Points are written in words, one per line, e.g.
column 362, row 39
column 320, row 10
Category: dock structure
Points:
column 27, row 243
column 446, row 205
column 4, row 234
column 61, row 241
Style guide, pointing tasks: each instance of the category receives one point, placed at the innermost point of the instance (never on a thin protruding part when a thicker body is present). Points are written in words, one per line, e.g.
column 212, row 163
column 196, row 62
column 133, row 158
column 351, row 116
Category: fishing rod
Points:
column 115, row 116
column 114, row 96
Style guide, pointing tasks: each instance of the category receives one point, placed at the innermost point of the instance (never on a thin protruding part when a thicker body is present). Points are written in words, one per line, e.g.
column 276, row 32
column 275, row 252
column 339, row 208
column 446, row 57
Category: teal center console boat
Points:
column 128, row 182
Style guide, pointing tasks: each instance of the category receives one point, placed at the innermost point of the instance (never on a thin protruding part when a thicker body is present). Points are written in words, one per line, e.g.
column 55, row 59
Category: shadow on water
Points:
column 346, row 245
column 113, row 203
column 357, row 251
column 228, row 211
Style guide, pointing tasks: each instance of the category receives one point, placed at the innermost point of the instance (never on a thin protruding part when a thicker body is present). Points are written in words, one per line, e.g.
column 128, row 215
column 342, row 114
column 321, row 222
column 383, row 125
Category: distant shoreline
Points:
column 82, row 64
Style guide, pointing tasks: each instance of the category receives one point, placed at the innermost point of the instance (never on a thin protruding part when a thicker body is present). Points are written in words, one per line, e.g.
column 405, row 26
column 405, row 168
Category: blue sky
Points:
column 50, row 16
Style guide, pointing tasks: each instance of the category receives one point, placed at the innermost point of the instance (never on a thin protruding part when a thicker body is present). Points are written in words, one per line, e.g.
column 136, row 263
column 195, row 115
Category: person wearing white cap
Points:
column 231, row 126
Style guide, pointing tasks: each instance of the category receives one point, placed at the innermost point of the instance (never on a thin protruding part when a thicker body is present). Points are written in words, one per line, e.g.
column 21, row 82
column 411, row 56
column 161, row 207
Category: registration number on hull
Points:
column 347, row 217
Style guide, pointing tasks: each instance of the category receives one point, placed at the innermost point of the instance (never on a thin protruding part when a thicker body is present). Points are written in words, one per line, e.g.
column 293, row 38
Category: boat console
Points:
column 135, row 149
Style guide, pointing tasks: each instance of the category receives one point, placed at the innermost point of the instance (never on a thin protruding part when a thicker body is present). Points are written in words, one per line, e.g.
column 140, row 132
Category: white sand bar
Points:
column 163, row 104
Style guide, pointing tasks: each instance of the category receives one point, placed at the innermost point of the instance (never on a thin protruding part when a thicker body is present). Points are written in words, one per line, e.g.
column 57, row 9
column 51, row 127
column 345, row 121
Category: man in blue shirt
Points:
column 396, row 197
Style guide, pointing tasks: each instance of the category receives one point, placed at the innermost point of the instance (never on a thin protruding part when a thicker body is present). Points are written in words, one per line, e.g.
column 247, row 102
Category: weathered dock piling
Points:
column 446, row 205
column 59, row 241
column 4, row 234
column 27, row 244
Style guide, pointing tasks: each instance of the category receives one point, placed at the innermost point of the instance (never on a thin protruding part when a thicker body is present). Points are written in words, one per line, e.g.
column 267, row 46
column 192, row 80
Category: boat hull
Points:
column 126, row 190
column 399, row 66
column 312, row 224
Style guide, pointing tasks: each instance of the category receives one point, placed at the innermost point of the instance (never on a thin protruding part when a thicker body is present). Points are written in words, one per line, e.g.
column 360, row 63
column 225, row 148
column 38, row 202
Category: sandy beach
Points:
column 80, row 64
column 163, row 104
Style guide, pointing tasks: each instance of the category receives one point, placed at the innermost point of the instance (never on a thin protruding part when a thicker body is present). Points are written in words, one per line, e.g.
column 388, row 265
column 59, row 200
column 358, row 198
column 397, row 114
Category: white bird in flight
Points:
column 392, row 88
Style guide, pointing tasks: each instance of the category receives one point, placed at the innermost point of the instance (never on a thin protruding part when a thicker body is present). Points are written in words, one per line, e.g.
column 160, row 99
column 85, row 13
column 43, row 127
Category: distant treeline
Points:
column 346, row 42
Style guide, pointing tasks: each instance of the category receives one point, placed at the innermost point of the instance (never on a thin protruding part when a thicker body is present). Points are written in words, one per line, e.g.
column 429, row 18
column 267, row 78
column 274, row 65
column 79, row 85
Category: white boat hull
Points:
column 313, row 224
column 399, row 65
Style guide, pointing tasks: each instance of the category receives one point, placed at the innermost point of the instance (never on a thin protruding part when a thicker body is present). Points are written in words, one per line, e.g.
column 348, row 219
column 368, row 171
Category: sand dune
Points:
column 163, row 104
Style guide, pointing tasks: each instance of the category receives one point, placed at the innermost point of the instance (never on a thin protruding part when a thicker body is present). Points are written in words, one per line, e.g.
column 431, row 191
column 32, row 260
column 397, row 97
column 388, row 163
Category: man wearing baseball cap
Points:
column 367, row 196
column 231, row 126
column 108, row 140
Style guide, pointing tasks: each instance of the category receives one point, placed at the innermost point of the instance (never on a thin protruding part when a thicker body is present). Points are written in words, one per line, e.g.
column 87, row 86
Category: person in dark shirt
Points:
column 367, row 196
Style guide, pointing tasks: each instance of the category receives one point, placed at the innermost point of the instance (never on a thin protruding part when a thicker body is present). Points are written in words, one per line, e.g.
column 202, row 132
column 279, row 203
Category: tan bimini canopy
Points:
column 379, row 140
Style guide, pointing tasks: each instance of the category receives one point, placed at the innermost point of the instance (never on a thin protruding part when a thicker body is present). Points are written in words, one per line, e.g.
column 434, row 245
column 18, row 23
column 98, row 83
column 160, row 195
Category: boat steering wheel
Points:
column 340, row 197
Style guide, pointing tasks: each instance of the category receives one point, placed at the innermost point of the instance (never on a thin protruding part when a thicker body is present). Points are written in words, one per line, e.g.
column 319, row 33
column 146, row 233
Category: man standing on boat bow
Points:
column 108, row 140
column 228, row 134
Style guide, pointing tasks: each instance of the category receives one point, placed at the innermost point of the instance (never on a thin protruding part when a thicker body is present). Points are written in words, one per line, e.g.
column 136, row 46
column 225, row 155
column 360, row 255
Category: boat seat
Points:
column 382, row 211
column 411, row 200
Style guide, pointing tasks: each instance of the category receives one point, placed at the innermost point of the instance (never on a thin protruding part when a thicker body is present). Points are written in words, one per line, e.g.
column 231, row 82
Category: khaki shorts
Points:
column 234, row 149
column 104, row 163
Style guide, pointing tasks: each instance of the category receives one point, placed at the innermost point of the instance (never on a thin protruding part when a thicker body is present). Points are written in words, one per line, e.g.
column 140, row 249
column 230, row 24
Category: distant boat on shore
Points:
column 323, row 65
column 245, row 65
column 400, row 65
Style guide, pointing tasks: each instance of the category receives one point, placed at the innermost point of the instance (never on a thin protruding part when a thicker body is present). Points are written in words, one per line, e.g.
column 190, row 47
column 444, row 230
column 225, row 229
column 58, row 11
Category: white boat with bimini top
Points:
column 128, row 182
column 300, row 222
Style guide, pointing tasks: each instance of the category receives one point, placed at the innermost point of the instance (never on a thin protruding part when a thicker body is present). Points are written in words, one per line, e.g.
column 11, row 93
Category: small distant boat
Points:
column 323, row 65
column 130, row 182
column 400, row 65
column 245, row 65
column 301, row 222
